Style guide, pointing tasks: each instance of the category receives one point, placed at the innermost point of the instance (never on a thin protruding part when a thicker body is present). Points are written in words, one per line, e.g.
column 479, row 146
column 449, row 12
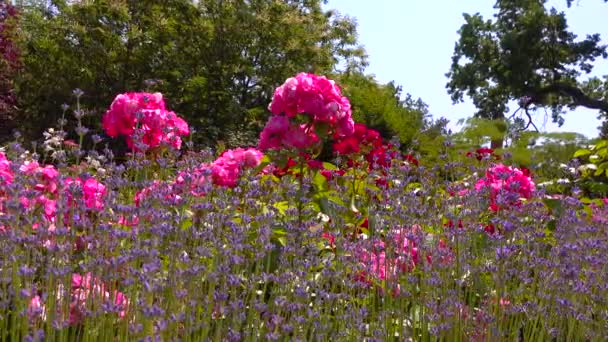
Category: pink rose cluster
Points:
column 502, row 178
column 315, row 96
column 47, row 189
column 224, row 171
column 147, row 112
column 6, row 175
column 93, row 192
column 387, row 259
column 84, row 291
column 6, row 178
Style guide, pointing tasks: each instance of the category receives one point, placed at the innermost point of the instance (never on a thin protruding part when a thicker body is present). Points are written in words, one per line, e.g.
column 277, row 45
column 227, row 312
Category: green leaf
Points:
column 279, row 234
column 587, row 209
column 265, row 161
column 554, row 205
column 601, row 169
column 602, row 144
column 582, row 153
column 320, row 182
column 281, row 206
column 186, row 224
column 330, row 166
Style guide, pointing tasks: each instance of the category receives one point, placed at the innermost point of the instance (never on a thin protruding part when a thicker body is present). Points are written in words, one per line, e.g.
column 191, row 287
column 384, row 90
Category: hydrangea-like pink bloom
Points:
column 274, row 133
column 46, row 189
column 36, row 309
column 84, row 293
column 6, row 175
column 505, row 178
column 280, row 133
column 301, row 137
column 315, row 96
column 387, row 259
column 92, row 290
column 92, row 192
column 226, row 169
column 146, row 111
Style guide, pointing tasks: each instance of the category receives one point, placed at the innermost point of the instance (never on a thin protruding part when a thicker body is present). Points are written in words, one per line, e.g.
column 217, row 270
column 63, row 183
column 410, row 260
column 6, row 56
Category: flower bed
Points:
column 272, row 243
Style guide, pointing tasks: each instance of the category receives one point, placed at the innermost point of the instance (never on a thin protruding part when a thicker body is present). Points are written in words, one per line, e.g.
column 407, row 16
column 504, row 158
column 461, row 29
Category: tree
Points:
column 217, row 62
column 379, row 106
column 9, row 65
column 526, row 54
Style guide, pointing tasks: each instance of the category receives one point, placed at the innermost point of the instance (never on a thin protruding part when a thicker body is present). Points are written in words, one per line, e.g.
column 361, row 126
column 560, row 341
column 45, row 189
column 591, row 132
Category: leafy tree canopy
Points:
column 9, row 66
column 217, row 62
column 526, row 53
column 384, row 108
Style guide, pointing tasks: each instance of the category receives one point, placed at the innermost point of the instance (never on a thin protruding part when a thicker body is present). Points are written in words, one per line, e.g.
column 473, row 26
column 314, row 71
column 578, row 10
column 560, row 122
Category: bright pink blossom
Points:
column 35, row 308
column 389, row 258
column 279, row 133
column 6, row 177
column 226, row 169
column 92, row 192
column 147, row 112
column 300, row 137
column 507, row 179
column 88, row 289
column 317, row 97
column 84, row 293
column 6, row 174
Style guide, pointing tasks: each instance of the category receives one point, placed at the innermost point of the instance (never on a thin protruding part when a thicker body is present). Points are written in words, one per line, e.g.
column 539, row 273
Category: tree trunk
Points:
column 496, row 143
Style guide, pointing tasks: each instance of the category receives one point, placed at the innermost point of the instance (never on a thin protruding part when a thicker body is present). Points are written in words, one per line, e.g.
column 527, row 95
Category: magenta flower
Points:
column 92, row 192
column 6, row 175
column 91, row 289
column 85, row 291
column 319, row 100
column 226, row 170
column 147, row 112
column 314, row 95
column 389, row 258
column 507, row 179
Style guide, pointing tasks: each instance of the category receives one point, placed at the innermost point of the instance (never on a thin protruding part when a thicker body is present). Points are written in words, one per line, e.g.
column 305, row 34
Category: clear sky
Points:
column 411, row 42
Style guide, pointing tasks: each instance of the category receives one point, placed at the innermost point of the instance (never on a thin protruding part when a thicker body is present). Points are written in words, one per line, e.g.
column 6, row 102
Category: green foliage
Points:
column 381, row 107
column 593, row 176
column 598, row 88
column 477, row 132
column 217, row 62
column 526, row 54
column 546, row 154
column 9, row 66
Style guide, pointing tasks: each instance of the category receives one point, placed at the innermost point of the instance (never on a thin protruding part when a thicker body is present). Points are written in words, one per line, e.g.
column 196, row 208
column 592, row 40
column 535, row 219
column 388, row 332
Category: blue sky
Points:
column 411, row 42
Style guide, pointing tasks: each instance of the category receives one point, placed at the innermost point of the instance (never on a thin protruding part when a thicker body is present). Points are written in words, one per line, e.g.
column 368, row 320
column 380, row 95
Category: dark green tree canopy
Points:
column 217, row 62
column 526, row 53
column 385, row 108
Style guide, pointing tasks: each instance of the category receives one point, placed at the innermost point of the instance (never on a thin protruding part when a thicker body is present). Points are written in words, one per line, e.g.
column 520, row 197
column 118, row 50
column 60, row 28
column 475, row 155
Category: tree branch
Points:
column 525, row 109
column 579, row 98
